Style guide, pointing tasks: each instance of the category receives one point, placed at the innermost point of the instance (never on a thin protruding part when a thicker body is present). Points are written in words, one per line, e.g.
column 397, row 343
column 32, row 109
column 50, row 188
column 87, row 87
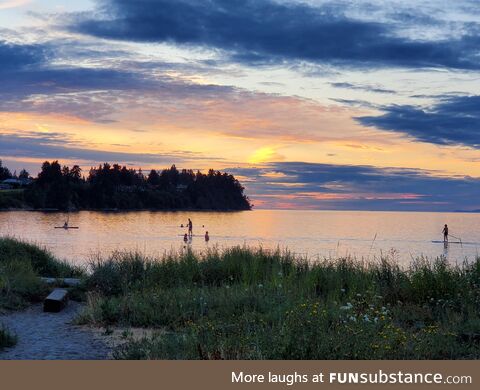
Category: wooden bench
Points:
column 56, row 301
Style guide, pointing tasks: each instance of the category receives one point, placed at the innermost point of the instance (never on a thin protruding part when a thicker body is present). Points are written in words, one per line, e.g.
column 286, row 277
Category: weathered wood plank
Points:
column 56, row 301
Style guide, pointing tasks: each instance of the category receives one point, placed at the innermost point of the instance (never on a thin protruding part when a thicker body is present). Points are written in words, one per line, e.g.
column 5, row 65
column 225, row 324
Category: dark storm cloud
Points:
column 359, row 187
column 454, row 120
column 264, row 31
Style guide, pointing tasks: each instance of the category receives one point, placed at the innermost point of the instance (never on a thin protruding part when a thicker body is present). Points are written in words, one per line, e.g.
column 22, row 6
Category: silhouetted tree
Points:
column 23, row 174
column 115, row 186
column 4, row 172
column 153, row 178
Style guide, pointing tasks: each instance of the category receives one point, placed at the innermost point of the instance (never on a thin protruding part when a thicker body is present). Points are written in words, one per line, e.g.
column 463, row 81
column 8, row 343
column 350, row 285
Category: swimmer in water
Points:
column 207, row 237
column 185, row 237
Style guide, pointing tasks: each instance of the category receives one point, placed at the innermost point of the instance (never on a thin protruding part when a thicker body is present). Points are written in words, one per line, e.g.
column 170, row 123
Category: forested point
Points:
column 118, row 187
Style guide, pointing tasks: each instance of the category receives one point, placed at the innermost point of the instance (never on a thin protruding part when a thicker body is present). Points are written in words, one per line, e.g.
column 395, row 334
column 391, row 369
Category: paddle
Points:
column 457, row 238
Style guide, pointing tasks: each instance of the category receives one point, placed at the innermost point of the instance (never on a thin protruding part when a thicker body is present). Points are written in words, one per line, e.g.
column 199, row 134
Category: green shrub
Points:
column 6, row 338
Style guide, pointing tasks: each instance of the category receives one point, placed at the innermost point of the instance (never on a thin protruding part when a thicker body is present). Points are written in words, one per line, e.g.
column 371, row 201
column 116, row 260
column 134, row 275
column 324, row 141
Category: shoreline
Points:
column 113, row 210
column 49, row 210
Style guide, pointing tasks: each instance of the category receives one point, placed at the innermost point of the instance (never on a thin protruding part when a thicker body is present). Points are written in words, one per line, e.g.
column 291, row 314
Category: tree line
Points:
column 112, row 186
column 6, row 174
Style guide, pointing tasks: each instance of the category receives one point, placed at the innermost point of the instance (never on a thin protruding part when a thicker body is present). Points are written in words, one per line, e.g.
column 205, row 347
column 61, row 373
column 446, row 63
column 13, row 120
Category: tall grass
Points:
column 21, row 264
column 254, row 304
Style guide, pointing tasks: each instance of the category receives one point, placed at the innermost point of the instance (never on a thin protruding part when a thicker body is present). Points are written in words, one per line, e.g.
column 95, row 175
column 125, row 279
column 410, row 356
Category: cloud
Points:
column 329, row 186
column 7, row 4
column 61, row 146
column 265, row 31
column 452, row 121
column 32, row 80
column 367, row 88
column 14, row 56
column 124, row 90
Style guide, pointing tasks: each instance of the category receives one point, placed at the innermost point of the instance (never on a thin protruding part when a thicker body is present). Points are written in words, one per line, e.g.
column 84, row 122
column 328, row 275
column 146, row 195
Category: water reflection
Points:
column 311, row 233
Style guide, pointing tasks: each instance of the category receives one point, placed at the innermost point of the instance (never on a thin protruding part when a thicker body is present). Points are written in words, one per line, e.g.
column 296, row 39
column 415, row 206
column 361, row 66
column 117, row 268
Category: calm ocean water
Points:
column 324, row 234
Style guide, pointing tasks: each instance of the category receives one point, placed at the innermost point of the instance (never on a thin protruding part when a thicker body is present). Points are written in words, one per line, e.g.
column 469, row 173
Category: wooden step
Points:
column 56, row 301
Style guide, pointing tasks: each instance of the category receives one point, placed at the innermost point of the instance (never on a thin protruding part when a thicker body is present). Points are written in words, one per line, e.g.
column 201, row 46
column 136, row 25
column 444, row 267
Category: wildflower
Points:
column 342, row 290
column 260, row 285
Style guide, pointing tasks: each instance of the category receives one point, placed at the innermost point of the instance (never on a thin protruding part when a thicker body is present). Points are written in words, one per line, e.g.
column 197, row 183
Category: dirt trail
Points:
column 51, row 336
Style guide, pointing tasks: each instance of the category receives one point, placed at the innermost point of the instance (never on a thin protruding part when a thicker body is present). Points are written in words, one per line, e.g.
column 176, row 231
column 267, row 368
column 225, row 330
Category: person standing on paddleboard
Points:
column 445, row 233
column 190, row 227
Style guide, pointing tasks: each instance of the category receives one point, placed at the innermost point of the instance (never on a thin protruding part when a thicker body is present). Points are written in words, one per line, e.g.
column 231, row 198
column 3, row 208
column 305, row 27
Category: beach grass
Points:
column 254, row 304
column 21, row 265
column 244, row 303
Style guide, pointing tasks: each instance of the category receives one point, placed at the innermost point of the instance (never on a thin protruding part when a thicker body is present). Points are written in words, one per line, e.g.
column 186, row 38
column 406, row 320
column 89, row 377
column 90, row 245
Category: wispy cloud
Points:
column 62, row 146
column 6, row 4
column 367, row 88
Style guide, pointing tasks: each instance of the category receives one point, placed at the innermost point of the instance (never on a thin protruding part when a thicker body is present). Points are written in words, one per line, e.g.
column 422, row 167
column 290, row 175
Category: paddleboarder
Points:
column 445, row 233
column 190, row 227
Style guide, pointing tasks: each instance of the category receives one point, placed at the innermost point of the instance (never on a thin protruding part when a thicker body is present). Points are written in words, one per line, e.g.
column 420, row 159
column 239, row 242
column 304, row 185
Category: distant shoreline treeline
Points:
column 118, row 187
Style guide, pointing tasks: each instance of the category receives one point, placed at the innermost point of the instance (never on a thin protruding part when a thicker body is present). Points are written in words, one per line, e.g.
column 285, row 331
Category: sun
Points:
column 264, row 154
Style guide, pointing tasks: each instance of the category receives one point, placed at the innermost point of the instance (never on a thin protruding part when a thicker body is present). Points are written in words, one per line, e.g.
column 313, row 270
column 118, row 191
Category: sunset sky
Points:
column 312, row 104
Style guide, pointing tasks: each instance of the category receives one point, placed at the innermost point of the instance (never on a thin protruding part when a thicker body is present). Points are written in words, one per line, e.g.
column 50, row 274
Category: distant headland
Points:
column 116, row 187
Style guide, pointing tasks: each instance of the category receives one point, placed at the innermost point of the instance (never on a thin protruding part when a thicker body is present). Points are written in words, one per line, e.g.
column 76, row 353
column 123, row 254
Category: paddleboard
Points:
column 448, row 242
column 66, row 228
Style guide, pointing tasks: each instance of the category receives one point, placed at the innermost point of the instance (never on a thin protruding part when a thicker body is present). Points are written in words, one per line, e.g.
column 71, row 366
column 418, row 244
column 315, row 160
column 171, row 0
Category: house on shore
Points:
column 14, row 183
